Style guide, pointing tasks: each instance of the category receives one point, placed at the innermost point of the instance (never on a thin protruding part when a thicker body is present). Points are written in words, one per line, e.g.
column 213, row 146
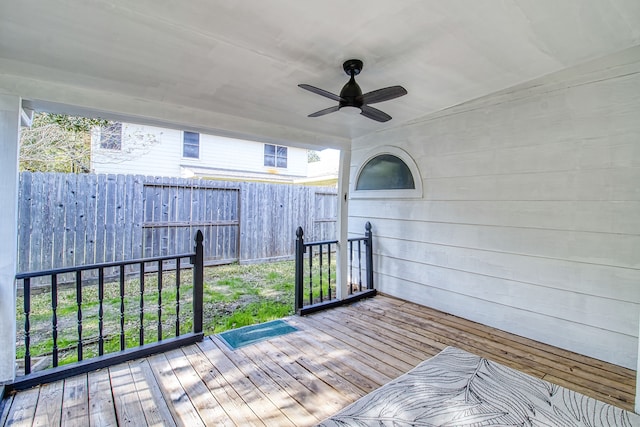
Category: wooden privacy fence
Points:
column 69, row 220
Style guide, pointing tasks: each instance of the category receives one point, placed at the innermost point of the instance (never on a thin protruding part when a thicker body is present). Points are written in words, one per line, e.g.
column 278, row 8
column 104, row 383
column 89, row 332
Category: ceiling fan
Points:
column 351, row 95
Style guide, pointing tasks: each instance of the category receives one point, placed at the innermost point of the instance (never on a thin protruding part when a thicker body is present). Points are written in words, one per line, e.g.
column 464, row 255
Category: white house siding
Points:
column 161, row 154
column 530, row 214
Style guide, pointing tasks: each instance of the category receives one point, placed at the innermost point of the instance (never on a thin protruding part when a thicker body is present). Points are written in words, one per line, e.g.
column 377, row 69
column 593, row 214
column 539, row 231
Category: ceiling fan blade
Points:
column 384, row 94
column 321, row 92
column 325, row 111
column 375, row 114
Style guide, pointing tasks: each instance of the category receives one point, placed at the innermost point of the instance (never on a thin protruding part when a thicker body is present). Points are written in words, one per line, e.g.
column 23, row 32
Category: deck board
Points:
column 5, row 407
column 264, row 380
column 203, row 401
column 101, row 408
column 23, row 408
column 225, row 395
column 154, row 406
column 336, row 357
column 181, row 407
column 127, row 404
column 75, row 402
column 48, row 409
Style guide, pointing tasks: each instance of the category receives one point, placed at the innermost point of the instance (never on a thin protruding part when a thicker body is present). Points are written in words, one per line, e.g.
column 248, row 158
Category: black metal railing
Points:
column 149, row 294
column 315, row 277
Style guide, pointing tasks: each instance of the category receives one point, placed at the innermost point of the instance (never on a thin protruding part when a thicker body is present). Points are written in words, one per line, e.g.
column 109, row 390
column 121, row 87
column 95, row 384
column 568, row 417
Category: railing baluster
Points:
column 310, row 274
column 178, row 297
column 159, row 300
column 100, row 311
column 329, row 272
column 54, row 318
column 320, row 269
column 79, row 303
column 27, row 325
column 122, row 337
column 141, row 303
column 350, row 267
column 359, row 265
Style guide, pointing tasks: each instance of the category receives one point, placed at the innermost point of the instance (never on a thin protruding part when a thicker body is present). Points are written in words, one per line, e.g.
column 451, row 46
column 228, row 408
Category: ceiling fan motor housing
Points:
column 351, row 92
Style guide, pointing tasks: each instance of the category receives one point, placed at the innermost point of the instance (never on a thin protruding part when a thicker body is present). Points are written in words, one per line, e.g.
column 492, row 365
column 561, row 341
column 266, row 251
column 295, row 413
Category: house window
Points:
column 275, row 156
column 385, row 172
column 191, row 145
column 111, row 136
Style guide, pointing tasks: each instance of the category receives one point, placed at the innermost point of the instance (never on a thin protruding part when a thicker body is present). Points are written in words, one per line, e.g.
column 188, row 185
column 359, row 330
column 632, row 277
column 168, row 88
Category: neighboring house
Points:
column 128, row 148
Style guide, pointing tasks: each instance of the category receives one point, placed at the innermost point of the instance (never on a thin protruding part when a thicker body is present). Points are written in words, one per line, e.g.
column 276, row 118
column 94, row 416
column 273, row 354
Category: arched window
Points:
column 387, row 172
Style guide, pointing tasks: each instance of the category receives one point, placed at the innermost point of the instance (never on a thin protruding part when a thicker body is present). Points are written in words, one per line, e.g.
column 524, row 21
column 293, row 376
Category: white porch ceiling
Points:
column 232, row 67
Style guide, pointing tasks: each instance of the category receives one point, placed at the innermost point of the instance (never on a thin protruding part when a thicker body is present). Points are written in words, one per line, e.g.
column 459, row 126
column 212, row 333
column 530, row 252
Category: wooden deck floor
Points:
column 300, row 378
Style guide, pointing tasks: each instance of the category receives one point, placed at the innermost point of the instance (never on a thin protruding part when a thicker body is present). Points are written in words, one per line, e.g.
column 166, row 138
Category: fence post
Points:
column 198, row 283
column 299, row 265
column 369, row 261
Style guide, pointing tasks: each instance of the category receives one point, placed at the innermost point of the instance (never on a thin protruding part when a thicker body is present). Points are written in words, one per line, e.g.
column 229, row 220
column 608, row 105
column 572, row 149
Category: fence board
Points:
column 59, row 217
column 172, row 216
column 100, row 219
column 47, row 220
column 127, row 223
column 138, row 215
column 119, row 213
column 69, row 220
column 24, row 232
column 84, row 196
column 37, row 227
column 110, row 219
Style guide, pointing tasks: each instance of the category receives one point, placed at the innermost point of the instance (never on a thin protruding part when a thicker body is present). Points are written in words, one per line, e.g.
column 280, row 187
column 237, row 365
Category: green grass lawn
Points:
column 234, row 296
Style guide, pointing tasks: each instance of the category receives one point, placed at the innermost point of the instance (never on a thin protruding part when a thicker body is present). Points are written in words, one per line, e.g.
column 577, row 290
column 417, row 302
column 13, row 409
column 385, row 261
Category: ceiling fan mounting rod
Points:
column 352, row 67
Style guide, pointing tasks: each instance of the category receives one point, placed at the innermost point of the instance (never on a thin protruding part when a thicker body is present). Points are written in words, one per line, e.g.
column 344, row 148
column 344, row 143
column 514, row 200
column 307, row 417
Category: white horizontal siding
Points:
column 604, row 344
column 563, row 215
column 616, row 250
column 595, row 184
column 518, row 294
column 241, row 155
column 588, row 279
column 530, row 218
column 160, row 154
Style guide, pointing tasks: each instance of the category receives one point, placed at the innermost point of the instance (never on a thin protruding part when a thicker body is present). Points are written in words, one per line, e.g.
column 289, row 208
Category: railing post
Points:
column 198, row 283
column 299, row 268
column 369, row 261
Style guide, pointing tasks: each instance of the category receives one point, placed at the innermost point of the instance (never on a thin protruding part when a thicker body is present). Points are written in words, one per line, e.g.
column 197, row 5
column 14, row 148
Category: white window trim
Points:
column 415, row 193
column 192, row 159
column 101, row 129
column 275, row 158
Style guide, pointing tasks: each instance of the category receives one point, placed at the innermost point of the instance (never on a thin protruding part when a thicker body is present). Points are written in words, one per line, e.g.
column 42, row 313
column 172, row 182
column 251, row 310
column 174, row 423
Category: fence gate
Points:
column 174, row 212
